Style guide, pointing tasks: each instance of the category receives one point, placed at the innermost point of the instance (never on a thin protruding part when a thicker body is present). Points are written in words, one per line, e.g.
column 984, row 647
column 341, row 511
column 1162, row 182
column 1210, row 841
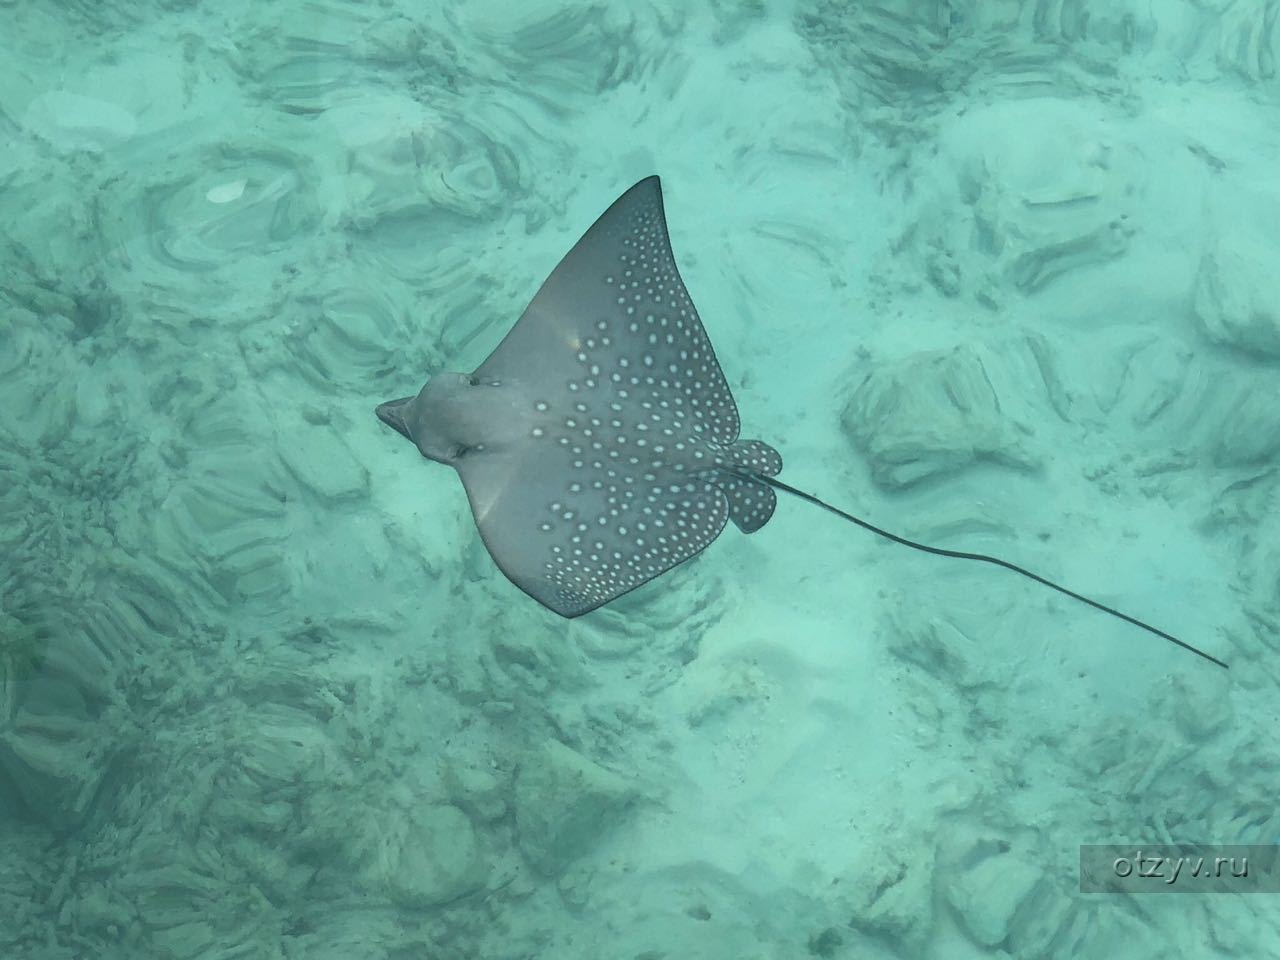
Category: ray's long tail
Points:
column 984, row 558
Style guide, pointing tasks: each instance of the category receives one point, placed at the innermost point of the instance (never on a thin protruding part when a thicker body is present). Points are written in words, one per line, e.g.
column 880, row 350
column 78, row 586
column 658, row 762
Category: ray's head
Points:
column 453, row 416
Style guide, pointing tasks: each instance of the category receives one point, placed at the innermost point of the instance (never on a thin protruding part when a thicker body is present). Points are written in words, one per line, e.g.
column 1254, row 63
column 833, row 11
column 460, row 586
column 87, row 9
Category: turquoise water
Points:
column 999, row 277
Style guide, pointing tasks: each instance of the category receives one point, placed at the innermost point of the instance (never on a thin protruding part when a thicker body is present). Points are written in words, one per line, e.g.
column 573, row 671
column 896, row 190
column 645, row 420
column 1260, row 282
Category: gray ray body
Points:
column 598, row 444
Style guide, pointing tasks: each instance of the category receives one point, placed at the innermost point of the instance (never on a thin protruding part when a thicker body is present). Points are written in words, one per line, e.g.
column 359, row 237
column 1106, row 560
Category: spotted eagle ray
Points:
column 598, row 444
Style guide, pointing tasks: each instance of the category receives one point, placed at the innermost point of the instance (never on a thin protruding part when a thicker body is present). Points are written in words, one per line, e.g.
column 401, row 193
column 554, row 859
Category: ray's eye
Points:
column 473, row 381
column 459, row 451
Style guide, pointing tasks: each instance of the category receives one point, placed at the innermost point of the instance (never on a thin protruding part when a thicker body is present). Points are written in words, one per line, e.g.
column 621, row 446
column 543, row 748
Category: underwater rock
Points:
column 994, row 216
column 1046, row 207
column 214, row 207
column 98, row 910
column 929, row 414
column 1040, row 919
column 1201, row 708
column 433, row 857
column 1249, row 433
column 723, row 687
column 60, row 722
column 473, row 784
column 318, row 459
column 1237, row 295
column 39, row 412
column 396, row 40
column 580, row 46
column 1247, row 42
column 71, row 122
column 986, row 897
column 178, row 896
column 615, row 636
column 893, row 896
column 51, row 763
column 223, row 509
column 1108, row 928
column 564, row 802
column 941, row 645
column 905, row 63
column 634, row 623
column 278, row 745
column 888, row 52
column 351, row 333
column 412, row 166
column 172, row 895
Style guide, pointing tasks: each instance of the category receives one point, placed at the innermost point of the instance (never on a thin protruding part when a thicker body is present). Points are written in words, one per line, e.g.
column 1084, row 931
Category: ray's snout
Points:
column 392, row 414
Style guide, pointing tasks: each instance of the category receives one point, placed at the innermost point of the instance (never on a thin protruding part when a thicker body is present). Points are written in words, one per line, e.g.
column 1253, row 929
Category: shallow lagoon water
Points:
column 998, row 277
